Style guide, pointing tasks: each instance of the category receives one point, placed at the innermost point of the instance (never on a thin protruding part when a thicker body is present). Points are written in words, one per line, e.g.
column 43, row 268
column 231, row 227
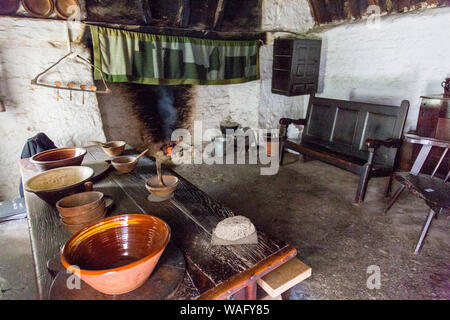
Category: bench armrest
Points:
column 287, row 121
column 388, row 143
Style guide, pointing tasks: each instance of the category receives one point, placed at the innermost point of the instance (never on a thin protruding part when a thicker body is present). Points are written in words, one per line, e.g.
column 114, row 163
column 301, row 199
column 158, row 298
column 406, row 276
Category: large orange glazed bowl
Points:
column 116, row 255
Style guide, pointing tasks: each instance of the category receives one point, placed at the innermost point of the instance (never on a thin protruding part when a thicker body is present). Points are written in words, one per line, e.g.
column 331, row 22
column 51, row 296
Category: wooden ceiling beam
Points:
column 184, row 13
column 218, row 17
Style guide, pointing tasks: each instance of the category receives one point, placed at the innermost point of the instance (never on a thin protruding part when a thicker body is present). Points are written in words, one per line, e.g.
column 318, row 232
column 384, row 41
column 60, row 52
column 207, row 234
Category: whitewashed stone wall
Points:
column 252, row 104
column 403, row 57
column 27, row 47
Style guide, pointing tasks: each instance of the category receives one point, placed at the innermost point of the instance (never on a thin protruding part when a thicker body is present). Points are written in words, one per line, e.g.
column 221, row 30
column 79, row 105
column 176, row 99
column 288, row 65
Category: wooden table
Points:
column 213, row 272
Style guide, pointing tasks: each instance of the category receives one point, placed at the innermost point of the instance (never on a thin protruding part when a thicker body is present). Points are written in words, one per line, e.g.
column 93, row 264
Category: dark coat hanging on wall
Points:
column 34, row 145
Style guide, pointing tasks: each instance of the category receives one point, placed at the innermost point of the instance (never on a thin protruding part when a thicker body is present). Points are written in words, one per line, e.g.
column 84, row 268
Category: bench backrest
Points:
column 344, row 126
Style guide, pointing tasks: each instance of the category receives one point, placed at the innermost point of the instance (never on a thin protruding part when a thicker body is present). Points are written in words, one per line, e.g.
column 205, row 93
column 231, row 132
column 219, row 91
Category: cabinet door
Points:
column 305, row 66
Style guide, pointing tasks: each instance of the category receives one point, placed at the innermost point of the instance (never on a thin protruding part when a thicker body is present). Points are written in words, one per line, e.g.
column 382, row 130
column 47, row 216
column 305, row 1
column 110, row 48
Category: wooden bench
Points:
column 362, row 138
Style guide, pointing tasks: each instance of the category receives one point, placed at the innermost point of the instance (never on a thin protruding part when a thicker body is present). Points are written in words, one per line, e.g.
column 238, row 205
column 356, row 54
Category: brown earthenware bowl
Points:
column 124, row 164
column 76, row 204
column 155, row 188
column 38, row 8
column 114, row 148
column 58, row 183
column 74, row 228
column 116, row 255
column 60, row 157
column 87, row 217
column 66, row 8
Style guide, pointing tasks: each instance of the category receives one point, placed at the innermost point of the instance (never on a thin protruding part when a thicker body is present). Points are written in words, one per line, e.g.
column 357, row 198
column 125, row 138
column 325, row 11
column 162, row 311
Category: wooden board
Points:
column 285, row 277
column 162, row 283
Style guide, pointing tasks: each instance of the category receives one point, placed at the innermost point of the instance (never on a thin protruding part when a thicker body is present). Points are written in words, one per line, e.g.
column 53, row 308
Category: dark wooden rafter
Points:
column 320, row 11
column 218, row 17
column 184, row 32
column 325, row 11
column 146, row 12
column 183, row 15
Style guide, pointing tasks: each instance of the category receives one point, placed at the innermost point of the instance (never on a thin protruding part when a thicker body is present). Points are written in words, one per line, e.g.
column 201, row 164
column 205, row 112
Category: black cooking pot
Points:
column 228, row 125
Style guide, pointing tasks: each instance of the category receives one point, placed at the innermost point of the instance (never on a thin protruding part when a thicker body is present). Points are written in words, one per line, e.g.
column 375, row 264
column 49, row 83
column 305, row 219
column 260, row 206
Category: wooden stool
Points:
column 284, row 277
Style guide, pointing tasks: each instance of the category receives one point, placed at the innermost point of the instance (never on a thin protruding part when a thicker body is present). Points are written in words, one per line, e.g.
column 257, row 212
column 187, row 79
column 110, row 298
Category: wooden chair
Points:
column 435, row 191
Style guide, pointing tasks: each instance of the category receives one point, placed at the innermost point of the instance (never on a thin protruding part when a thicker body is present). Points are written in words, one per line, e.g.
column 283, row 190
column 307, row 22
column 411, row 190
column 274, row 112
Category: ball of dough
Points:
column 234, row 228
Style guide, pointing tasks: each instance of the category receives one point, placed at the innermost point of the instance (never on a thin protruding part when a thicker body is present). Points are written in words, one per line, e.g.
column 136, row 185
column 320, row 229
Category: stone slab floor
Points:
column 309, row 205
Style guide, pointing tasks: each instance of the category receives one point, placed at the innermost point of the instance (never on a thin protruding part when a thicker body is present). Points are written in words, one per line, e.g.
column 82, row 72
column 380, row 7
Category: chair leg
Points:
column 388, row 190
column 281, row 150
column 362, row 186
column 424, row 230
column 394, row 198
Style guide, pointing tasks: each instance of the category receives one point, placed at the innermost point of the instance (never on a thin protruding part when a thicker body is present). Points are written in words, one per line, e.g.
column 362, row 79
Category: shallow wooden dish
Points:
column 38, row 8
column 124, row 164
column 59, row 157
column 64, row 8
column 58, row 183
column 154, row 187
column 114, row 148
column 116, row 255
column 8, row 7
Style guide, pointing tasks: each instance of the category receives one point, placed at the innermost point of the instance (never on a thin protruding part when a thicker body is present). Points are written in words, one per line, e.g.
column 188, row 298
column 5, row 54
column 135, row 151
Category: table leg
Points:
column 247, row 293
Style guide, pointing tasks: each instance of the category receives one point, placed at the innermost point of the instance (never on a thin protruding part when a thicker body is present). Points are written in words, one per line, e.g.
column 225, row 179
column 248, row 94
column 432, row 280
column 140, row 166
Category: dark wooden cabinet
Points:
column 434, row 122
column 296, row 64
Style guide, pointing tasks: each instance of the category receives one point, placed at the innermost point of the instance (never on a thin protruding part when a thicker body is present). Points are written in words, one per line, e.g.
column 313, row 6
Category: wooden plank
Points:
column 284, row 277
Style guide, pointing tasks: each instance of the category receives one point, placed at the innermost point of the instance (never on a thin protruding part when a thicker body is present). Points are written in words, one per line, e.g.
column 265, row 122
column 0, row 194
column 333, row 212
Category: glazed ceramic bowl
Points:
column 60, row 157
column 124, row 164
column 54, row 184
column 155, row 188
column 114, row 148
column 117, row 255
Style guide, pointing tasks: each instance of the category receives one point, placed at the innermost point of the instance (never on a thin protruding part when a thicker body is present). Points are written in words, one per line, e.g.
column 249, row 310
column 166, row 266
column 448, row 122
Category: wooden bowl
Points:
column 156, row 189
column 114, row 148
column 76, row 204
column 116, row 255
column 124, row 164
column 58, row 183
column 74, row 228
column 60, row 157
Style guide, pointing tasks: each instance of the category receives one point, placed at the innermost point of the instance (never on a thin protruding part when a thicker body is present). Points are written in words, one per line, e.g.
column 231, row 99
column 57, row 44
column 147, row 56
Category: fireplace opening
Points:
column 161, row 110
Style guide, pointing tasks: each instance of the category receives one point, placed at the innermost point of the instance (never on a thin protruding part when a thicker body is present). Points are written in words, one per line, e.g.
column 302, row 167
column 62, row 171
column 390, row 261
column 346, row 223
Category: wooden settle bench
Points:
column 362, row 138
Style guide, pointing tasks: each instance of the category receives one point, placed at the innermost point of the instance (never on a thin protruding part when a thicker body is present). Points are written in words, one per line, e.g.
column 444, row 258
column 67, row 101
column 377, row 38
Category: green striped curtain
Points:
column 126, row 56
